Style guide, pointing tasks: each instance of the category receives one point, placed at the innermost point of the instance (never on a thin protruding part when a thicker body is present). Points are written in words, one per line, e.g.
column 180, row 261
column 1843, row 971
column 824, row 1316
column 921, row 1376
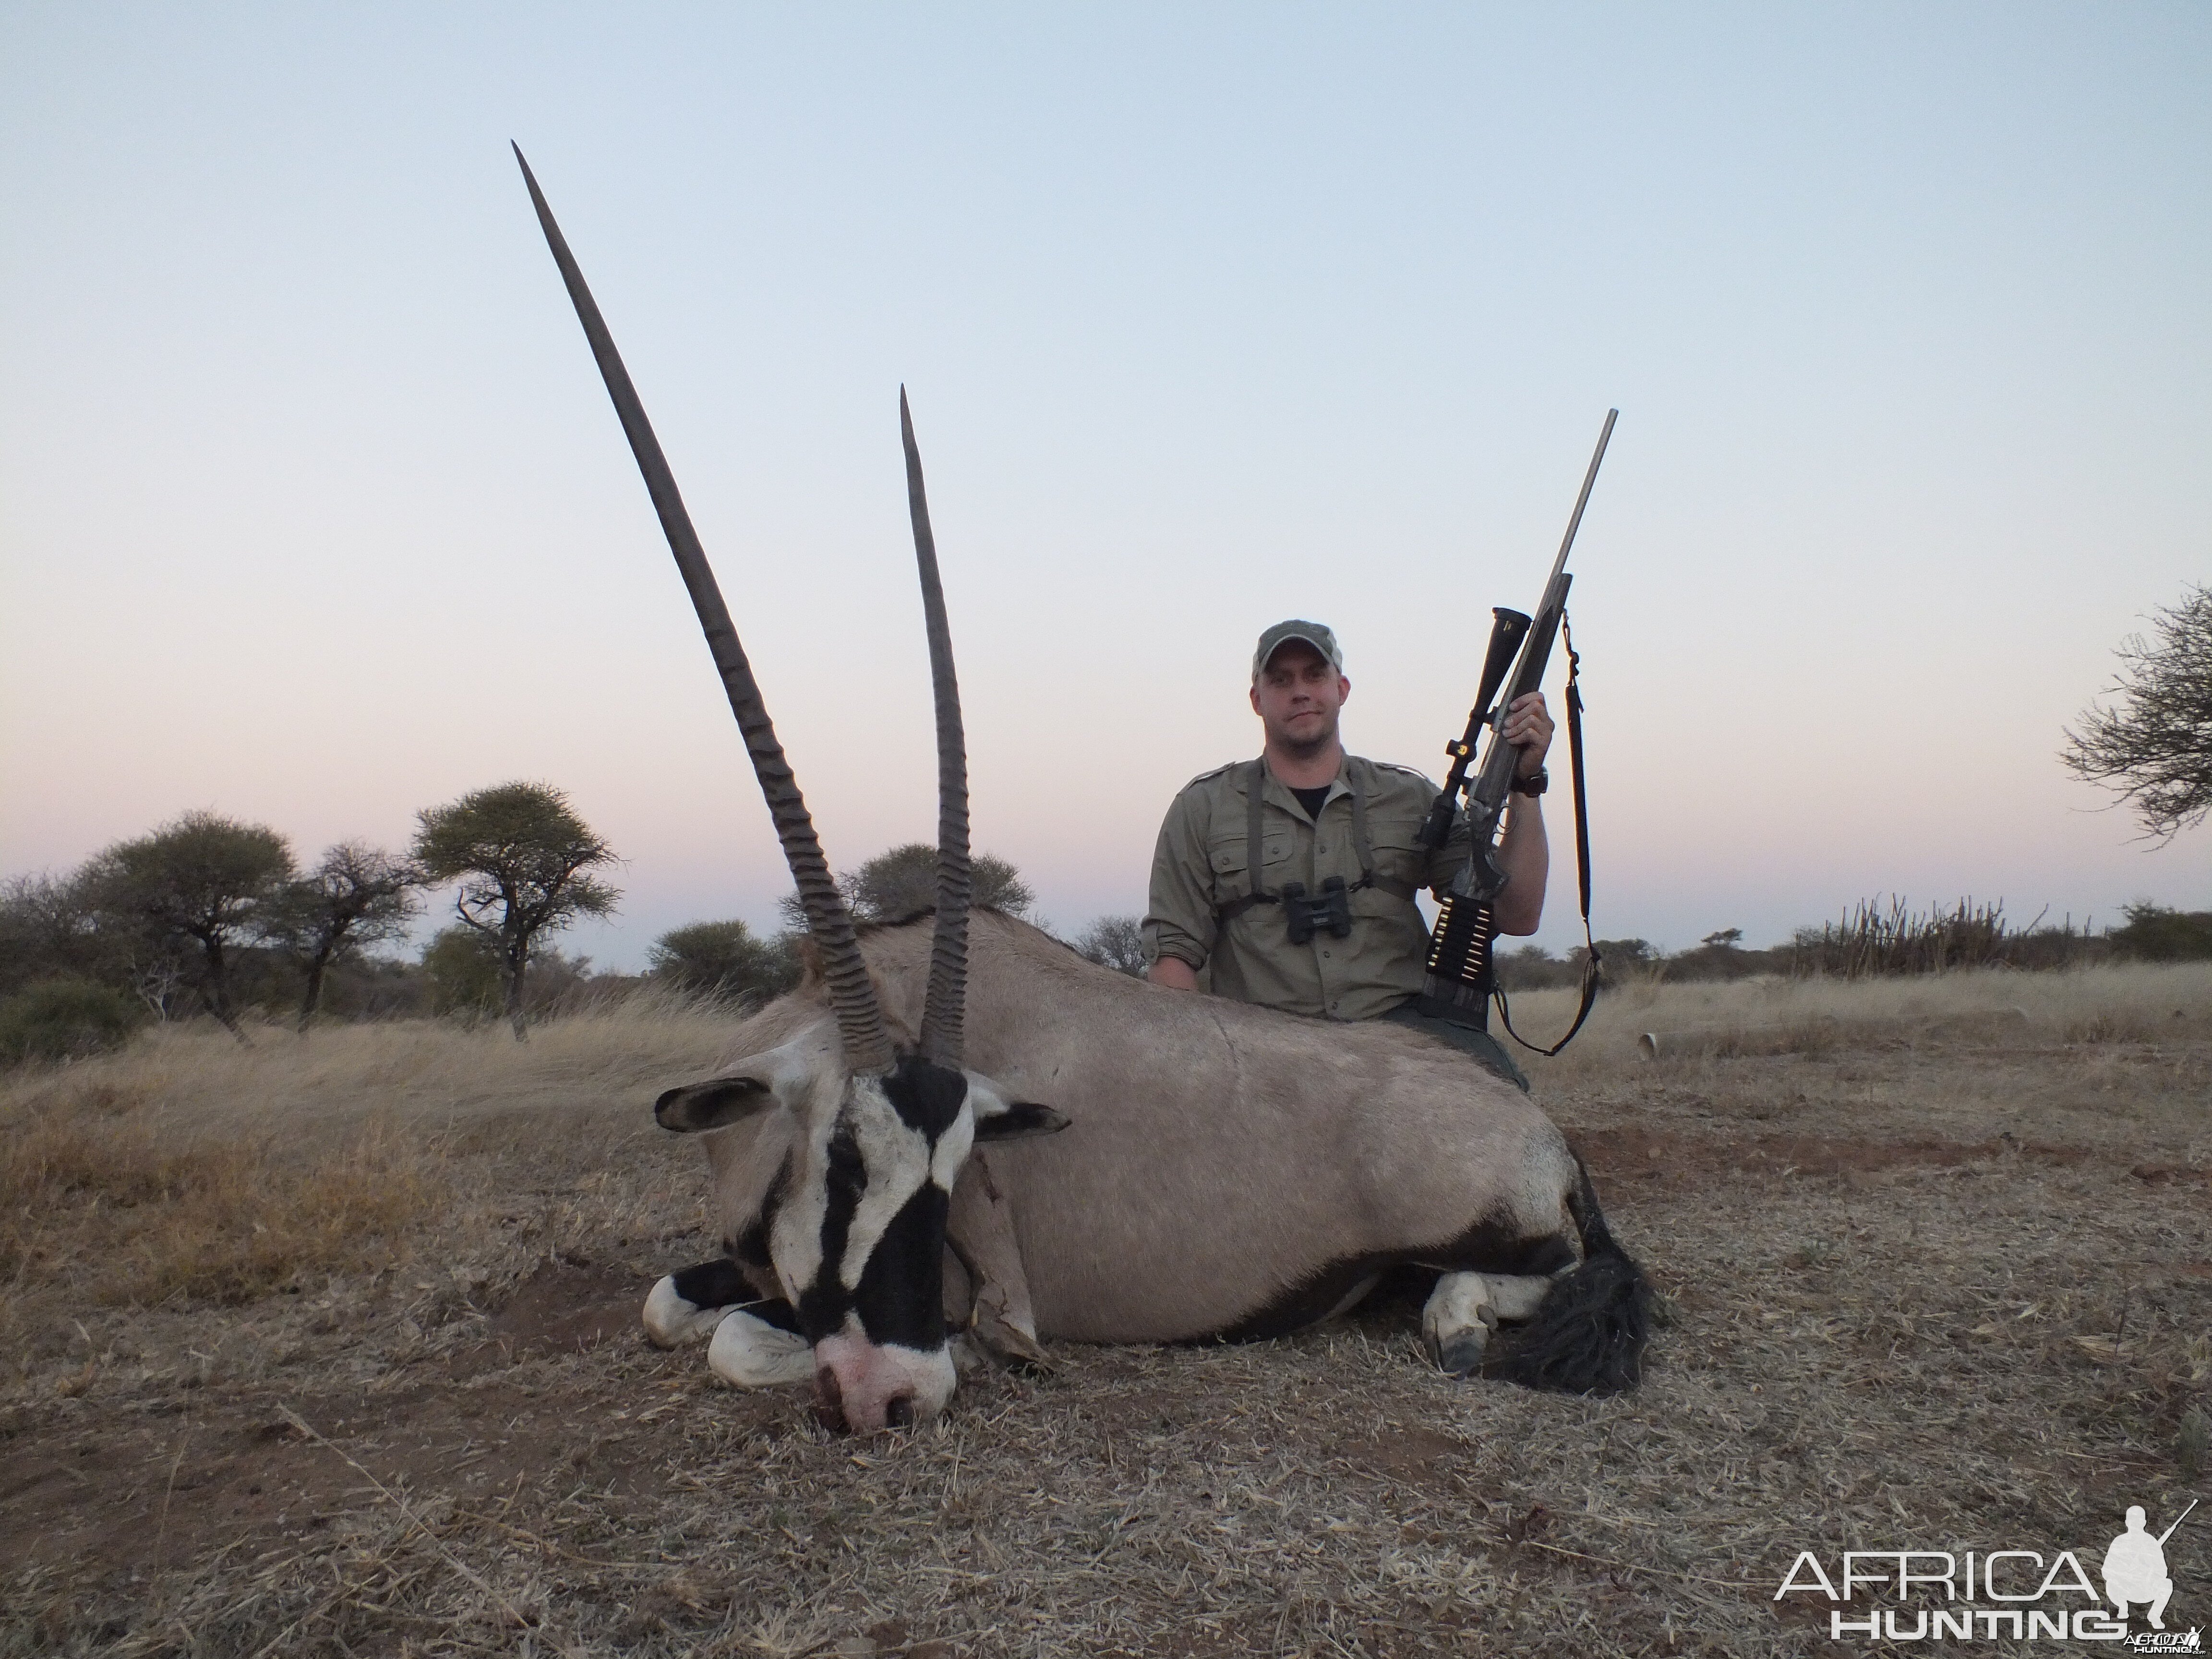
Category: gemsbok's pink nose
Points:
column 865, row 1387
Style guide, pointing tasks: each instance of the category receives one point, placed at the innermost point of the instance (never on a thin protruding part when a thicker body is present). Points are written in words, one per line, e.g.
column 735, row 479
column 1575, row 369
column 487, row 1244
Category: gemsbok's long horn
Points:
column 944, row 1008
column 860, row 1021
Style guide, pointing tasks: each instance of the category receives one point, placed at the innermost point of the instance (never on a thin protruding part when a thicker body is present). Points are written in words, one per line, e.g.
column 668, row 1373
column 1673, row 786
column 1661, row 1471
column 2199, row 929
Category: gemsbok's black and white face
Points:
column 851, row 1225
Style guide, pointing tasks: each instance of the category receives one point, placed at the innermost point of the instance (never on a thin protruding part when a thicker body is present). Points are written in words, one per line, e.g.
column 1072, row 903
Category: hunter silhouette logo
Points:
column 2135, row 1567
column 2023, row 1595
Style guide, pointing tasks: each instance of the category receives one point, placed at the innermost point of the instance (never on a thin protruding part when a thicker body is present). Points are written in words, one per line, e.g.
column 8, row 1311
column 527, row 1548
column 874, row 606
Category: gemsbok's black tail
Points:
column 1587, row 1334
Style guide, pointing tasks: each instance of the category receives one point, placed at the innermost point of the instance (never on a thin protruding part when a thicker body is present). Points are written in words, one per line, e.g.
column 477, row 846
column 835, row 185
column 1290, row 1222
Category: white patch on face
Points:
column 751, row 1354
column 895, row 1160
column 814, row 1093
column 897, row 1157
column 953, row 1149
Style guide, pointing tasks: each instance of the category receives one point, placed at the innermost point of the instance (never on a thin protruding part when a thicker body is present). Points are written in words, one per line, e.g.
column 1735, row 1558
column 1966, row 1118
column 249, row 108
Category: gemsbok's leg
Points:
column 687, row 1306
column 749, row 1352
column 756, row 1344
column 1466, row 1308
column 979, row 1233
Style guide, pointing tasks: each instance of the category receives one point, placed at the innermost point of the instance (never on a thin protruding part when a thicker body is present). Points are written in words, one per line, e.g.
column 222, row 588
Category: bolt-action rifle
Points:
column 1460, row 982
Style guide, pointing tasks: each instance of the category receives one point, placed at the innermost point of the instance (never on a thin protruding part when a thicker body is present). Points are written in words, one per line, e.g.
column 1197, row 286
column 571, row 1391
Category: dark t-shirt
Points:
column 1312, row 799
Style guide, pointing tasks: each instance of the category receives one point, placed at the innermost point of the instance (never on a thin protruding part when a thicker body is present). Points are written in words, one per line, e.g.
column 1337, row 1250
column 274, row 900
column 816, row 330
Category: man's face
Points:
column 1296, row 698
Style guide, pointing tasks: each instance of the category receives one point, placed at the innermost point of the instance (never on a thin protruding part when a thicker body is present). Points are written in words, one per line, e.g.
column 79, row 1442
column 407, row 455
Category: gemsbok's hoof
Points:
column 1460, row 1354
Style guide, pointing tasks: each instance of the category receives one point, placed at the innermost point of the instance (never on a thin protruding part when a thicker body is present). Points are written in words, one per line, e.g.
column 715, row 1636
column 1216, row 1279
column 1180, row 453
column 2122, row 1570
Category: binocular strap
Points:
column 1255, row 784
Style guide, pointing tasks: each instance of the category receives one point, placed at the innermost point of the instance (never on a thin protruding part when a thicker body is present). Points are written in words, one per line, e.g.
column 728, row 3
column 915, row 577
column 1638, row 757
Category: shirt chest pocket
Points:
column 1398, row 852
column 1401, row 857
column 1231, row 860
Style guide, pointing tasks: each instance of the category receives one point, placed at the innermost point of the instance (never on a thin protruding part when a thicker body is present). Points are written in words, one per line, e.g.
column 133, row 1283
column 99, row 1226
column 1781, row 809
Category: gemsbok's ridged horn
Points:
column 944, row 1008
column 860, row 1021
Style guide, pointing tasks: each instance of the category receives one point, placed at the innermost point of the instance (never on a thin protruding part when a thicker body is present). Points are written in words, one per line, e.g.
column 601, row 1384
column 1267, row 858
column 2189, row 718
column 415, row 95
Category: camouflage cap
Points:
column 1312, row 633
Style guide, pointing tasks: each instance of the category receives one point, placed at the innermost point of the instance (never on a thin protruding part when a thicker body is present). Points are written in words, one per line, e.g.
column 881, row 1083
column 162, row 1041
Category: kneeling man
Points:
column 1290, row 879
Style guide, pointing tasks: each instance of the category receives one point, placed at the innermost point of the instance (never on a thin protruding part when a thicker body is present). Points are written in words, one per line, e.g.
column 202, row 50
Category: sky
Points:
column 313, row 511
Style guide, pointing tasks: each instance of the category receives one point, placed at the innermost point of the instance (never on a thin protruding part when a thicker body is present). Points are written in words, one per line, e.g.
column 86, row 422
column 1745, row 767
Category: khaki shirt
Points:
column 1201, row 866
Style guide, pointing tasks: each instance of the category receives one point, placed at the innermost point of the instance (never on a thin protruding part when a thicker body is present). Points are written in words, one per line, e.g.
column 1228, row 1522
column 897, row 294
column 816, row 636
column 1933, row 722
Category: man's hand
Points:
column 1529, row 728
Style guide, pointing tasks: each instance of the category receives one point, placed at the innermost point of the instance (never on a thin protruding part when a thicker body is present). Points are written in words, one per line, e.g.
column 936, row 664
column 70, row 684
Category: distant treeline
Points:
column 205, row 916
column 1877, row 938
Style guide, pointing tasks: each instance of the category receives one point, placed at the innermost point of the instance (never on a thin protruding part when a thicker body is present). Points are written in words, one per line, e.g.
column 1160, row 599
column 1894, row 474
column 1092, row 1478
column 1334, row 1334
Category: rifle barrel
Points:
column 1604, row 437
column 1536, row 644
column 2178, row 1520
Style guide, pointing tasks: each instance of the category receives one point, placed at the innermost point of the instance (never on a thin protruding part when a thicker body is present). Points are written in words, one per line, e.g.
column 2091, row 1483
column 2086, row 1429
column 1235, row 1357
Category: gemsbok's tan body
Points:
column 1228, row 1171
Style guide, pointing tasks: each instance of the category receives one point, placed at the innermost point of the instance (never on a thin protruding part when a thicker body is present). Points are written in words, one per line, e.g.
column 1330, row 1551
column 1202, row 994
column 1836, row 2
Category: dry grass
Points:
column 2135, row 1002
column 92, row 1199
column 1936, row 1257
column 193, row 1078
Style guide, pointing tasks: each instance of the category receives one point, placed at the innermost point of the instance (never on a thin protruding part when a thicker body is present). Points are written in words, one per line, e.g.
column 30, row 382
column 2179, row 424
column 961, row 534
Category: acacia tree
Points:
column 1116, row 942
column 520, row 853
column 2156, row 747
column 902, row 881
column 204, row 881
column 47, row 931
column 724, row 959
column 356, row 896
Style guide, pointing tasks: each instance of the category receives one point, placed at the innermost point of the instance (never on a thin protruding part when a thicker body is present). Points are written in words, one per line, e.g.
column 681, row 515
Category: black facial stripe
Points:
column 821, row 1304
column 751, row 1246
column 822, row 1308
column 926, row 1097
column 901, row 1296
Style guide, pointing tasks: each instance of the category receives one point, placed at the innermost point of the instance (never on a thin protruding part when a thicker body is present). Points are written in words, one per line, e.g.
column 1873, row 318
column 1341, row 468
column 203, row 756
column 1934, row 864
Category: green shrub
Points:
column 64, row 1019
column 724, row 959
column 2155, row 933
column 465, row 974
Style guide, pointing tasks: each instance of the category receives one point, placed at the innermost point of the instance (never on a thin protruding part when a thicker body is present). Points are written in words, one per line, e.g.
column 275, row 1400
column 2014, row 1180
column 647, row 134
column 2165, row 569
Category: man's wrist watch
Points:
column 1534, row 784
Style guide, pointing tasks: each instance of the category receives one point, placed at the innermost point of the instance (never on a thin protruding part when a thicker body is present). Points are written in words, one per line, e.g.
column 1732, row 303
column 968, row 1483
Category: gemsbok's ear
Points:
column 715, row 1104
column 1019, row 1120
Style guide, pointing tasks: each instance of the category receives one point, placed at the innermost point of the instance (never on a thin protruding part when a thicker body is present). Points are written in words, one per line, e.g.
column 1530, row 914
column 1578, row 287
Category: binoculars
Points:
column 1330, row 912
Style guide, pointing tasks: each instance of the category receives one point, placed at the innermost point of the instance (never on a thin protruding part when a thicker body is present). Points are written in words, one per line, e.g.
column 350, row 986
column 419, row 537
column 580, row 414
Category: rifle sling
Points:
column 1590, row 958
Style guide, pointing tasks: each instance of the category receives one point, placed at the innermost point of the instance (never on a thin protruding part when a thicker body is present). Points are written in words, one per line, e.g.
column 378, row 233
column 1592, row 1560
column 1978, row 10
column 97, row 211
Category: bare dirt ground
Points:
column 331, row 1348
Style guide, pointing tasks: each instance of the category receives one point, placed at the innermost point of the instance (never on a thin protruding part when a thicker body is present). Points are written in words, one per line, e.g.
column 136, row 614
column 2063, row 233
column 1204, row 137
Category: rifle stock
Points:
column 1507, row 629
column 1495, row 780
